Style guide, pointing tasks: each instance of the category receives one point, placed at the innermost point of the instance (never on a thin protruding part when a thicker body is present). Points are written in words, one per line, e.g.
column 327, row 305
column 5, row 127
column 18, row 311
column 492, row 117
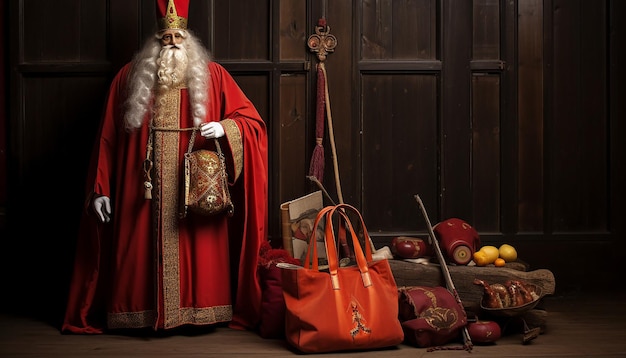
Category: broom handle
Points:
column 331, row 135
column 444, row 266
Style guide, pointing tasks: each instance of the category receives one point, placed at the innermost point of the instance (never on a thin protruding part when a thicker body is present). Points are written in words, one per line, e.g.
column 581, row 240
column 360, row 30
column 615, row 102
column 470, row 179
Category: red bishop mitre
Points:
column 172, row 14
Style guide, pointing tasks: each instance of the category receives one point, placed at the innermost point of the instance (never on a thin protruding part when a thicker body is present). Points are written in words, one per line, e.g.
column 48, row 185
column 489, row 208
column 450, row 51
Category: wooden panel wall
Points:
column 494, row 112
column 576, row 136
column 617, row 129
column 530, row 149
column 400, row 80
column 4, row 113
column 59, row 72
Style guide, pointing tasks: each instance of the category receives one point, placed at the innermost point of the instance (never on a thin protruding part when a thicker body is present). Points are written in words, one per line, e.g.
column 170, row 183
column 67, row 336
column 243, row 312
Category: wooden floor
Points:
column 578, row 325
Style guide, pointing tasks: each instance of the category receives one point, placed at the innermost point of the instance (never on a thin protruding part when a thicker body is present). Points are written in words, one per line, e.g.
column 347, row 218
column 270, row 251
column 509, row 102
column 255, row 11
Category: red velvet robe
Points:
column 147, row 267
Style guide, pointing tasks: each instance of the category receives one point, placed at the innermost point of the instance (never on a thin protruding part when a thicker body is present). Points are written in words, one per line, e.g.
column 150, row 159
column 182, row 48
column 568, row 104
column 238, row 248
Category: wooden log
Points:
column 412, row 274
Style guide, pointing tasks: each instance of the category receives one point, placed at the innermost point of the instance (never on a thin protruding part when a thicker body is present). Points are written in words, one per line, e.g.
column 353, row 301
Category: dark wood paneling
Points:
column 292, row 144
column 578, row 155
column 4, row 115
column 124, row 29
column 60, row 119
column 530, row 117
column 486, row 35
column 241, row 30
column 509, row 120
column 399, row 149
column 617, row 130
column 455, row 187
column 69, row 33
column 399, row 112
column 292, row 32
column 486, row 151
column 486, row 111
column 399, row 29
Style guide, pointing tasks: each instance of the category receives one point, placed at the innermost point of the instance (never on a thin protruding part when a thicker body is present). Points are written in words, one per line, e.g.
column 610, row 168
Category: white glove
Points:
column 212, row 130
column 102, row 206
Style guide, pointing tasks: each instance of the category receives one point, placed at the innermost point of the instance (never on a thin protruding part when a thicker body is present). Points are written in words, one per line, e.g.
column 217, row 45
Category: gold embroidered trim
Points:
column 166, row 165
column 234, row 139
column 206, row 315
column 196, row 316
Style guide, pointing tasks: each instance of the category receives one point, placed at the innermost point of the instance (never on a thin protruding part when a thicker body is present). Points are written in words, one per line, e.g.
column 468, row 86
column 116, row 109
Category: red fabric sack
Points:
column 430, row 316
column 272, row 320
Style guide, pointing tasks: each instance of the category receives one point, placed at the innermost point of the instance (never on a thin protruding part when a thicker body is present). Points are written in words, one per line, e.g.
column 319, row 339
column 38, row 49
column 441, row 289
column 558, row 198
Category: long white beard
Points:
column 150, row 64
column 172, row 64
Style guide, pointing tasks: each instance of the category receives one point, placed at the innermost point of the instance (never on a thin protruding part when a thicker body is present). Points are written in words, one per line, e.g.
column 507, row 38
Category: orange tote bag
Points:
column 341, row 308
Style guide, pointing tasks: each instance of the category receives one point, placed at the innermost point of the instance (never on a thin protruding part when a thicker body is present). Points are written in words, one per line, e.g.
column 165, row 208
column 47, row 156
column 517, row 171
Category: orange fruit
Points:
column 499, row 262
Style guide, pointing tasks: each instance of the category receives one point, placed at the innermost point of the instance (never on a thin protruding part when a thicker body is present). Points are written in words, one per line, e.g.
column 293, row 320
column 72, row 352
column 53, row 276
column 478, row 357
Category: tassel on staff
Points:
column 316, row 168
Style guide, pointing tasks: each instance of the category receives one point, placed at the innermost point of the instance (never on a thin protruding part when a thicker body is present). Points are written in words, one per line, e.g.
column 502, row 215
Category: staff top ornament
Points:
column 322, row 42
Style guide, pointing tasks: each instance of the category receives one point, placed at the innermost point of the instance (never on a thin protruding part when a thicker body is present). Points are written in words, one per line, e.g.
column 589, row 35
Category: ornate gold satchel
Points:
column 205, row 182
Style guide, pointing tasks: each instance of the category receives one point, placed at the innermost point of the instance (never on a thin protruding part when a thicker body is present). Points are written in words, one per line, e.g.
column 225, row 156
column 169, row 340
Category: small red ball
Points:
column 484, row 331
column 409, row 247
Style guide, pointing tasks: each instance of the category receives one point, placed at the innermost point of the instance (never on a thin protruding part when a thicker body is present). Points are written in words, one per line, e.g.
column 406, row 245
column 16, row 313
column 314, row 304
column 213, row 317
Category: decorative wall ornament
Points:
column 322, row 42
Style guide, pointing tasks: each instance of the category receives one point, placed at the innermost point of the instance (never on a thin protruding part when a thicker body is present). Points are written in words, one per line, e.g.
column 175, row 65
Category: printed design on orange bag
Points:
column 358, row 320
column 438, row 317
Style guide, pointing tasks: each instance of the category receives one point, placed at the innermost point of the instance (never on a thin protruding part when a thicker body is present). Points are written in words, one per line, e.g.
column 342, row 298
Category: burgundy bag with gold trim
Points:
column 430, row 316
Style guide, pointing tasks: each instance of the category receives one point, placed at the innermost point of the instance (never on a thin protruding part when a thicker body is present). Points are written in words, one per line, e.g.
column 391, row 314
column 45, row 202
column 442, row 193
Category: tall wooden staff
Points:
column 444, row 268
column 322, row 43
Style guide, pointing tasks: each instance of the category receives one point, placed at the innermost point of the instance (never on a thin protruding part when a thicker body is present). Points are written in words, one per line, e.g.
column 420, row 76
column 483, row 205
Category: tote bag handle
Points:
column 362, row 259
